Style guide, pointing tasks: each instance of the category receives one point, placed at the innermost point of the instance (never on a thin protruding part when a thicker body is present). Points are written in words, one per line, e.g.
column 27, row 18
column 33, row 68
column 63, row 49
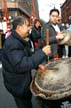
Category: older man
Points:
column 18, row 62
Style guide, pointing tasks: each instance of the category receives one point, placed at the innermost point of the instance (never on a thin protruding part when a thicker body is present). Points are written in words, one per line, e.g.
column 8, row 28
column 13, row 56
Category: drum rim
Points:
column 54, row 95
column 49, row 96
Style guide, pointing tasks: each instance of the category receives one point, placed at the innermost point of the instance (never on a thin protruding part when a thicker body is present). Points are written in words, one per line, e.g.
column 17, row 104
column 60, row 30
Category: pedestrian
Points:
column 69, row 28
column 9, row 30
column 66, row 47
column 35, row 34
column 53, row 30
column 17, row 62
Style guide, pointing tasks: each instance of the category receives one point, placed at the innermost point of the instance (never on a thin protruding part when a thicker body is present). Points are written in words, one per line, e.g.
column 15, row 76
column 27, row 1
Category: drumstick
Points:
column 47, row 39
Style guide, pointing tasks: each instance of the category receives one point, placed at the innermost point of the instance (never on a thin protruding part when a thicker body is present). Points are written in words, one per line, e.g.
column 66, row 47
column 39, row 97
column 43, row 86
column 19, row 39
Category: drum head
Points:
column 55, row 81
column 67, row 38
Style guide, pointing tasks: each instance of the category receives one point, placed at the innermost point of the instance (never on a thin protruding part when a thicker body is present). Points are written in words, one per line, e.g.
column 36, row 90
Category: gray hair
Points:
column 18, row 21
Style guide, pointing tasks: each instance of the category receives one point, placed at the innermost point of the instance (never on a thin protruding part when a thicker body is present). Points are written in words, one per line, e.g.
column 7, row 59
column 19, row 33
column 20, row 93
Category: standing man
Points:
column 53, row 31
column 18, row 62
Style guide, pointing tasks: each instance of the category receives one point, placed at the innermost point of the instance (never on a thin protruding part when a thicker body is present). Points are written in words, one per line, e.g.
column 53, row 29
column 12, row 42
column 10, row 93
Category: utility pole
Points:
column 32, row 12
column 5, row 14
column 33, row 8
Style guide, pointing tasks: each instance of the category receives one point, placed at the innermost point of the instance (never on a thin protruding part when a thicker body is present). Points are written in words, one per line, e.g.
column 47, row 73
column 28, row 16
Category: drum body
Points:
column 55, row 82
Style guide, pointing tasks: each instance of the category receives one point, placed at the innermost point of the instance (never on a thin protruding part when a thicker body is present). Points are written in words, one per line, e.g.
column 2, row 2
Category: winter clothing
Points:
column 17, row 64
column 52, row 37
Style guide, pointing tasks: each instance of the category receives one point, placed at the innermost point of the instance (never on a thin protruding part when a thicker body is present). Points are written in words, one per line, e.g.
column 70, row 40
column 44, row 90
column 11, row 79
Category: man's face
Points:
column 54, row 17
column 24, row 29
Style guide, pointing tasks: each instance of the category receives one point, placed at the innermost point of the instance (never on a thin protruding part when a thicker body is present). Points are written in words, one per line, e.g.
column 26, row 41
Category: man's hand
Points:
column 59, row 36
column 41, row 68
column 46, row 50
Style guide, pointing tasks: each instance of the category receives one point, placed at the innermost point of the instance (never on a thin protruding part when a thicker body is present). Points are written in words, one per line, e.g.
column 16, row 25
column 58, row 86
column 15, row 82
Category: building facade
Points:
column 18, row 7
column 66, row 11
column 9, row 9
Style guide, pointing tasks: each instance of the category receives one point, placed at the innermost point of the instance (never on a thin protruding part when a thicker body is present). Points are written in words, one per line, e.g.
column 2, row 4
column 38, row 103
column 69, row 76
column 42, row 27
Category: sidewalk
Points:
column 6, row 100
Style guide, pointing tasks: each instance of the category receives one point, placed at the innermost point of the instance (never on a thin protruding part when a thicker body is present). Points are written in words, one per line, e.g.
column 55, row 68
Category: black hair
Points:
column 54, row 10
column 18, row 21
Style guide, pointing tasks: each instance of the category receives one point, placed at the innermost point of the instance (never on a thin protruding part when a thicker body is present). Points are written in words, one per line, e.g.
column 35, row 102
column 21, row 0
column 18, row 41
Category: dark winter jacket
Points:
column 35, row 35
column 17, row 64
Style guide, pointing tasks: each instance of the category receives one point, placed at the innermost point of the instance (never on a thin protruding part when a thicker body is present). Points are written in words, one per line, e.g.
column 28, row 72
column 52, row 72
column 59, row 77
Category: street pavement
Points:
column 6, row 100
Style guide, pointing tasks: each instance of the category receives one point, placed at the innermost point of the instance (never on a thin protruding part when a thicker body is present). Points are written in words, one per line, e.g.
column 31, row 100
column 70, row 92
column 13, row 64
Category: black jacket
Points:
column 17, row 64
column 35, row 34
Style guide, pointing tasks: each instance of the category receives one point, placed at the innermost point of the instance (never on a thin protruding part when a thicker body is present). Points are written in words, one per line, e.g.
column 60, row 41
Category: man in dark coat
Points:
column 53, row 32
column 18, row 62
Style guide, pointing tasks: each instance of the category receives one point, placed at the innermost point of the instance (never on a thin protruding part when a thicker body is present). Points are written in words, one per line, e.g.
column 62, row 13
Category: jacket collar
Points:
column 18, row 37
column 51, row 23
column 56, row 23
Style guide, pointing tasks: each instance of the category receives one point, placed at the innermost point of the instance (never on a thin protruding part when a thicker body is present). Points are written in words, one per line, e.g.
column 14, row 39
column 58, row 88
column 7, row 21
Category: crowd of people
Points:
column 26, row 48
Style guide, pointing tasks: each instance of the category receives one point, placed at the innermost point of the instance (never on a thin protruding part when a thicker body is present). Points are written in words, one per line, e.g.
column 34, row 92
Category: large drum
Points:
column 55, row 82
column 67, row 38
